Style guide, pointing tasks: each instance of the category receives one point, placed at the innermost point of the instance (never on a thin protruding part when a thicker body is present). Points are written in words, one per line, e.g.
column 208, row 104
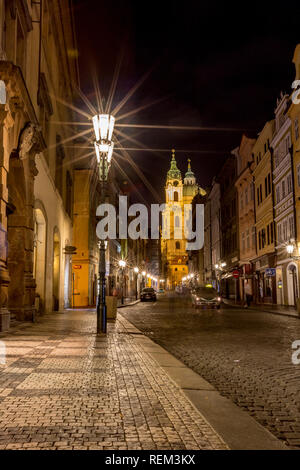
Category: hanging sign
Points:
column 270, row 272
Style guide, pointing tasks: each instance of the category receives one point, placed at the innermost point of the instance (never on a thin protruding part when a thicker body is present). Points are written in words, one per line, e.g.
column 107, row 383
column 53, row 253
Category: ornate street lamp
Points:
column 103, row 127
column 122, row 265
column 290, row 247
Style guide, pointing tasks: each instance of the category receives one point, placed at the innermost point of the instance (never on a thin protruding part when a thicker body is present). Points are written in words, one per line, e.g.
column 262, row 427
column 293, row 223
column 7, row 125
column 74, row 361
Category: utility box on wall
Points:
column 112, row 304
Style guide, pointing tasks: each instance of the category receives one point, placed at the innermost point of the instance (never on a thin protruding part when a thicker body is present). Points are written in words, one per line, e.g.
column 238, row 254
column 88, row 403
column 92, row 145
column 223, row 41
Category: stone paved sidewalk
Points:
column 65, row 388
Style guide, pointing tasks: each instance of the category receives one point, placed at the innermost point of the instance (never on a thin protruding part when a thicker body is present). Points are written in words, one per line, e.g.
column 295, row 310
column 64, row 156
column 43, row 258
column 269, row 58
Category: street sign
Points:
column 236, row 274
column 270, row 272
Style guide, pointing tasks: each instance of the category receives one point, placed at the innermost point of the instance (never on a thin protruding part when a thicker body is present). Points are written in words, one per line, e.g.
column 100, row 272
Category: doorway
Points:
column 39, row 261
column 292, row 284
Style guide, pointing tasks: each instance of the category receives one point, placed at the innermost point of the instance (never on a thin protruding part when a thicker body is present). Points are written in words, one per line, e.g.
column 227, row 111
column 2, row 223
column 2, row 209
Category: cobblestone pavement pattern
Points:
column 62, row 387
column 245, row 354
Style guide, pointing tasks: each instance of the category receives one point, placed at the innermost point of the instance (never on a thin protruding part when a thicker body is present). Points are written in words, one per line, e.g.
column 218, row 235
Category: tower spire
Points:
column 189, row 176
column 174, row 173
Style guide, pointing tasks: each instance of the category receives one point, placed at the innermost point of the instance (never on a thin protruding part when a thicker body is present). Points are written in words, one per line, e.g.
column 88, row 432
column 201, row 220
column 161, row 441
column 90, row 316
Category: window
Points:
column 21, row 47
column 69, row 194
column 177, row 222
column 278, row 194
column 279, row 232
column 246, row 196
column 289, row 184
column 283, row 189
column 248, row 239
column 266, row 187
column 176, row 196
column 269, row 183
column 253, row 238
column 268, row 234
column 285, row 230
column 60, row 155
column 296, row 125
column 242, row 201
column 291, row 226
column 177, row 245
column 260, row 193
column 259, row 240
column 263, row 238
column 298, row 175
column 272, row 232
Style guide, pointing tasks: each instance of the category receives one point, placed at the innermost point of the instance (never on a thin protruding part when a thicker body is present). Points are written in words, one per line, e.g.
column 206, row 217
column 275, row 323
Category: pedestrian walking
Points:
column 248, row 294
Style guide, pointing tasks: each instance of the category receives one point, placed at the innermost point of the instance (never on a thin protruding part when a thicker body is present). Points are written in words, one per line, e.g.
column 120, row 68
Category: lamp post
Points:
column 136, row 270
column 103, row 128
column 122, row 265
column 219, row 269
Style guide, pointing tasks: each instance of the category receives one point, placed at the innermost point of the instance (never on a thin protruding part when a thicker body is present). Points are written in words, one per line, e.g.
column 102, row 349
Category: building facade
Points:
column 215, row 221
column 283, row 182
column 294, row 115
column 265, row 259
column 246, row 212
column 38, row 62
column 229, row 229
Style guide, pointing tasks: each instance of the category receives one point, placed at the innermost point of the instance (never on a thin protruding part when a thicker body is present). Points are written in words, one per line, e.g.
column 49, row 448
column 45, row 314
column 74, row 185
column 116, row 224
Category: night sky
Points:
column 215, row 64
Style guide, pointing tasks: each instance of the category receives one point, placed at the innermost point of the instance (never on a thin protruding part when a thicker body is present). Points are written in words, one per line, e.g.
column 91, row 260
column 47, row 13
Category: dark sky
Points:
column 217, row 65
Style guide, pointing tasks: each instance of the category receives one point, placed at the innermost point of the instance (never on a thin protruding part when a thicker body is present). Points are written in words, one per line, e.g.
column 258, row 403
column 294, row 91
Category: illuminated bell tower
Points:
column 174, row 252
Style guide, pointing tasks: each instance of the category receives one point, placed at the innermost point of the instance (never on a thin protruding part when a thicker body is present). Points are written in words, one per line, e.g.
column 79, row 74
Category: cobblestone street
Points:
column 244, row 354
column 62, row 387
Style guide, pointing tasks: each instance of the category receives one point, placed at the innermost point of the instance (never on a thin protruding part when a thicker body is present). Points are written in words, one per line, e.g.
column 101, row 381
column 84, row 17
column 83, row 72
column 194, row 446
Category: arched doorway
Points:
column 39, row 266
column 292, row 284
column 16, row 236
column 56, row 269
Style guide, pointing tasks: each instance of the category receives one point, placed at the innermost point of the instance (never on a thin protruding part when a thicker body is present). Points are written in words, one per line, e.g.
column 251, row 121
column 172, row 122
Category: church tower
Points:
column 173, row 249
column 174, row 254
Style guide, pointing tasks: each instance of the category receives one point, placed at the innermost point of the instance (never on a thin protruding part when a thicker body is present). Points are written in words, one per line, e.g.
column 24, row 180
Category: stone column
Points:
column 27, row 152
column 4, row 276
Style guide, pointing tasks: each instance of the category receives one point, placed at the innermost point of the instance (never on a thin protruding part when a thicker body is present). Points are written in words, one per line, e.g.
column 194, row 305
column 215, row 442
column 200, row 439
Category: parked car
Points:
column 148, row 294
column 206, row 297
column 161, row 291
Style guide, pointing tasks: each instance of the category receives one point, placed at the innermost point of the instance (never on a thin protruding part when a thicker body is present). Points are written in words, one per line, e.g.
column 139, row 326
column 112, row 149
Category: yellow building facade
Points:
column 294, row 114
column 173, row 245
column 264, row 286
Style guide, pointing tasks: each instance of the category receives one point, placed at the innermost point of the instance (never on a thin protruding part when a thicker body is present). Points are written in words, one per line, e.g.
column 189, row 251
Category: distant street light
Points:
column 103, row 128
column 136, row 270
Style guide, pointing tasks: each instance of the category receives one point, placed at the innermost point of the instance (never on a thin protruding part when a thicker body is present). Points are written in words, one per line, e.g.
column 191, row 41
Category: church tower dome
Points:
column 190, row 179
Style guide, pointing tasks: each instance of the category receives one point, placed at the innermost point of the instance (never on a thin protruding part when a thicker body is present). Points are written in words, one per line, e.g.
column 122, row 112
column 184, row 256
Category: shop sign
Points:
column 270, row 272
